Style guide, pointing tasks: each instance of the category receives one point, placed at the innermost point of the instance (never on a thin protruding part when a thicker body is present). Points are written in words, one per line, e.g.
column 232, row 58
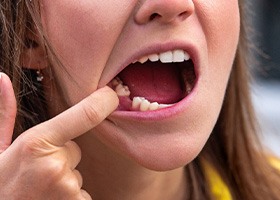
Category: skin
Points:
column 123, row 157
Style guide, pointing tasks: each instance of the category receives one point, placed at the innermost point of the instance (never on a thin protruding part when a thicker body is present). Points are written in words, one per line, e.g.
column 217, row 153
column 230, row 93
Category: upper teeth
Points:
column 176, row 55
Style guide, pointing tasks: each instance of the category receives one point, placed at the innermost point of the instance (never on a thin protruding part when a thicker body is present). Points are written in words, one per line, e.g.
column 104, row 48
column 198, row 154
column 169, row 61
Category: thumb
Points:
column 8, row 111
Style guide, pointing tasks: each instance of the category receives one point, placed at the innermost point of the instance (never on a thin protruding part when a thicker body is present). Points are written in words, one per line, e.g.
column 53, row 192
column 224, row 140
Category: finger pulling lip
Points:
column 173, row 109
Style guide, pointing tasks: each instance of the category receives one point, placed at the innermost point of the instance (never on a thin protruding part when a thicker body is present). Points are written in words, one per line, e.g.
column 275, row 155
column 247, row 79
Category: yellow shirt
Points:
column 217, row 185
column 275, row 162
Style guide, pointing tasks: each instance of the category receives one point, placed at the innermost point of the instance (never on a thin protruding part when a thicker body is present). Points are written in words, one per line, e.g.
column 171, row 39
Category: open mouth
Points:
column 155, row 81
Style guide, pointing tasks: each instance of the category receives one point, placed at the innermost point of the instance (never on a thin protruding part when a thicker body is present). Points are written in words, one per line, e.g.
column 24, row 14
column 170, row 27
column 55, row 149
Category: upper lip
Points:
column 191, row 49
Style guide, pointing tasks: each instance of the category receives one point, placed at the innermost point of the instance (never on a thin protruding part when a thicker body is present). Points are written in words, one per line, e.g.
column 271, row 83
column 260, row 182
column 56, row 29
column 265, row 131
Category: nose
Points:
column 164, row 11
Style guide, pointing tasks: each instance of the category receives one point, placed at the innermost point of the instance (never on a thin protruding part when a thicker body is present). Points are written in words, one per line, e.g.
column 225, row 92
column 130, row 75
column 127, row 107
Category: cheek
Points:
column 221, row 25
column 82, row 35
column 221, row 22
column 71, row 25
column 84, row 26
column 81, row 29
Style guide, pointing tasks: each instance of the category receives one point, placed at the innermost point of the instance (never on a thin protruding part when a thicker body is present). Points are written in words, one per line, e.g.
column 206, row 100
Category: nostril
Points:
column 184, row 15
column 164, row 11
column 153, row 16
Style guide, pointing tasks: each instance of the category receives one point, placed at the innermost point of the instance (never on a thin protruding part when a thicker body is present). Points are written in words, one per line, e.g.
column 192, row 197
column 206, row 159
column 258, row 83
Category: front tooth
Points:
column 144, row 106
column 143, row 59
column 166, row 57
column 186, row 56
column 178, row 56
column 136, row 103
column 154, row 57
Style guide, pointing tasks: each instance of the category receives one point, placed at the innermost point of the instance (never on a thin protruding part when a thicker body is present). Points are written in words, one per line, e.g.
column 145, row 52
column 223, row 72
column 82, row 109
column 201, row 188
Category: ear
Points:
column 34, row 55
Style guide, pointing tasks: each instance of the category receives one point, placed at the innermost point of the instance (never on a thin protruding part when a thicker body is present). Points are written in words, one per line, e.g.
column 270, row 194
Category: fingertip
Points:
column 108, row 89
column 110, row 95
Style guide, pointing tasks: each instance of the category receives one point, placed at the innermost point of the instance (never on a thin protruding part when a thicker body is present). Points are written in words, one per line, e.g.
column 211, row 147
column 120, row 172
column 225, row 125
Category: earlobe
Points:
column 34, row 55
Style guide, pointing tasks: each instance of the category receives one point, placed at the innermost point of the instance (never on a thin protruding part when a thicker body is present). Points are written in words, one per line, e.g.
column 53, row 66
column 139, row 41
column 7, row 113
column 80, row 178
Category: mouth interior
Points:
column 164, row 83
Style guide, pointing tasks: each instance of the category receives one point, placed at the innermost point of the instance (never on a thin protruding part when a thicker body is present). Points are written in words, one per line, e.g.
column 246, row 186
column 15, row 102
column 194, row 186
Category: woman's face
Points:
column 101, row 42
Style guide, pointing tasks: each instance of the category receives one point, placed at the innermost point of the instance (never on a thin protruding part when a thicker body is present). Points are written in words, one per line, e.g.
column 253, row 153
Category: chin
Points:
column 152, row 145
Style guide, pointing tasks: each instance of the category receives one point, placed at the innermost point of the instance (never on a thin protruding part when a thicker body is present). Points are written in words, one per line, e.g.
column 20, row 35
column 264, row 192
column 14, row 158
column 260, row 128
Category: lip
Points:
column 163, row 113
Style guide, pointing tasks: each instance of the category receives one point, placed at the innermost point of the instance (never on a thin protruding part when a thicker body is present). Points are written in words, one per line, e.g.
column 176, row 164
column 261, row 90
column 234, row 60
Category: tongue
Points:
column 156, row 82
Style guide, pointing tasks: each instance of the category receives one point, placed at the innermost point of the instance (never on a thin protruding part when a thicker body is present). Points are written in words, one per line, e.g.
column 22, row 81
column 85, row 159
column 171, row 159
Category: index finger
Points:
column 78, row 119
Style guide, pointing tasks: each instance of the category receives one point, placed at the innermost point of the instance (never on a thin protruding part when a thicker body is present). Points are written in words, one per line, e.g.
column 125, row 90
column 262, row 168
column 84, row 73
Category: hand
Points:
column 41, row 162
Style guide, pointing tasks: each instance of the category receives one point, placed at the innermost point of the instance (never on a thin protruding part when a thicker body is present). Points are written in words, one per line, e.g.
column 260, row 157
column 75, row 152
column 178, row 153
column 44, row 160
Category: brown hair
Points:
column 15, row 22
column 233, row 148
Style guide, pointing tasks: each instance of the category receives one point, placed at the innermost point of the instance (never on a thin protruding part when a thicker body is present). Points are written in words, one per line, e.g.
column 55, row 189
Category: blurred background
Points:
column 265, row 19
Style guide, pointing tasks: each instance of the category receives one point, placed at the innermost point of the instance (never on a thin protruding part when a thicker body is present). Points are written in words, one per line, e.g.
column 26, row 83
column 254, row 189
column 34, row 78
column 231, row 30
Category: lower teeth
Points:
column 140, row 103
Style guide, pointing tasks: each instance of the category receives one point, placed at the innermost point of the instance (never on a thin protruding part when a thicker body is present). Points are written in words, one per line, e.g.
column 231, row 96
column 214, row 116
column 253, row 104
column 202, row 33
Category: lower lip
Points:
column 157, row 115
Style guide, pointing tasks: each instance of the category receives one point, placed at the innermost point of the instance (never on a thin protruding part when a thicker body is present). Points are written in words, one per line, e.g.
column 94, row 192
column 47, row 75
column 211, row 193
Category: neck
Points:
column 108, row 175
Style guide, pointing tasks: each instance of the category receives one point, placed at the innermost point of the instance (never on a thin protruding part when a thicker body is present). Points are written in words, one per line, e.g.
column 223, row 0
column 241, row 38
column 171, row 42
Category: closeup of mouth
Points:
column 155, row 81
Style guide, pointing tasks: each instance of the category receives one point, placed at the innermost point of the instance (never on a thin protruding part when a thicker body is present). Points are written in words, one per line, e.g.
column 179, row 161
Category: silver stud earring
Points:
column 40, row 76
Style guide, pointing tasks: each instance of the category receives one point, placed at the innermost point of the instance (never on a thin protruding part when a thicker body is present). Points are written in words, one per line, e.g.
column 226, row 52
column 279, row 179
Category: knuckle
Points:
column 73, row 145
column 79, row 177
column 71, row 185
column 73, row 149
column 86, row 195
column 55, row 170
column 34, row 147
column 93, row 113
